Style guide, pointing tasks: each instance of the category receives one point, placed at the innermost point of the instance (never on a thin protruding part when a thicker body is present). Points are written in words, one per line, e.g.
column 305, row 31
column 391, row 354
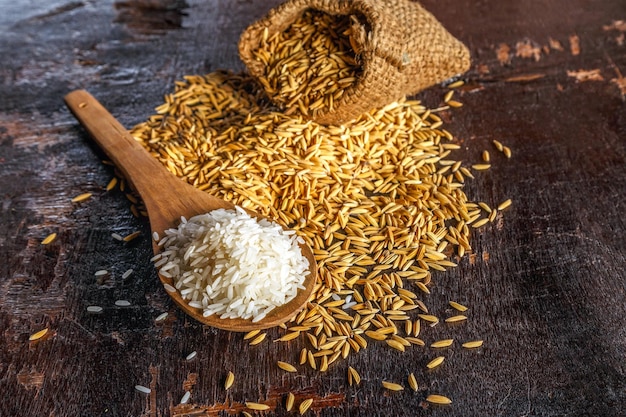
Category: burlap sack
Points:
column 403, row 49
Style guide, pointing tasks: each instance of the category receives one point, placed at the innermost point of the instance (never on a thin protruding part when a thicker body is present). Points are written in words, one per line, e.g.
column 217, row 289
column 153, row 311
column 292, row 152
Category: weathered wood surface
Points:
column 546, row 285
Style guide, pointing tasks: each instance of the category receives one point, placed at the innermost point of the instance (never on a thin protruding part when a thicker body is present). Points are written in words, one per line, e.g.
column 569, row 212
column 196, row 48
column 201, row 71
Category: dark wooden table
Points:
column 546, row 285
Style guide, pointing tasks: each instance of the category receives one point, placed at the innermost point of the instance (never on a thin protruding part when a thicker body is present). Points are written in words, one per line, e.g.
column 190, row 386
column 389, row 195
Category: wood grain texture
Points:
column 545, row 284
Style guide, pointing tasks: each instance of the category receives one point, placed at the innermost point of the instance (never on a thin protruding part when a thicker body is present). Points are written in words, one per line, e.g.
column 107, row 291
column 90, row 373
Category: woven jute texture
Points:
column 402, row 49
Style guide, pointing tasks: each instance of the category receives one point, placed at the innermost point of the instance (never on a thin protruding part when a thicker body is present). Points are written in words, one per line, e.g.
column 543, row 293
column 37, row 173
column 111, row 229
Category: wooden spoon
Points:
column 167, row 198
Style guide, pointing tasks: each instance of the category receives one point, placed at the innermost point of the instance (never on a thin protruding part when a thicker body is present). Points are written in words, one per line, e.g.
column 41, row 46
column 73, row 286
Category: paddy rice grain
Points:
column 438, row 399
column 392, row 386
column 286, row 366
column 435, row 362
column 353, row 376
column 289, row 401
column 442, row 343
column 412, row 382
column 38, row 335
column 230, row 379
column 49, row 239
column 473, row 344
column 257, row 406
column 305, row 405
column 81, row 197
column 458, row 306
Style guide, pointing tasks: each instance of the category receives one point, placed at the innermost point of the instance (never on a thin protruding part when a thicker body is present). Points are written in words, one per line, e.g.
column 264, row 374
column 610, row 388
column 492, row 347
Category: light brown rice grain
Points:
column 392, row 386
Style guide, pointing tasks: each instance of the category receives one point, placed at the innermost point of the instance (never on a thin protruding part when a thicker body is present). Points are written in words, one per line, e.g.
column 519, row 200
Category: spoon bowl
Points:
column 167, row 198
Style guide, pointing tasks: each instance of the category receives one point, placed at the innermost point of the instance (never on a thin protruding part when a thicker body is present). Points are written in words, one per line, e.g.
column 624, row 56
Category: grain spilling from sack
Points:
column 379, row 200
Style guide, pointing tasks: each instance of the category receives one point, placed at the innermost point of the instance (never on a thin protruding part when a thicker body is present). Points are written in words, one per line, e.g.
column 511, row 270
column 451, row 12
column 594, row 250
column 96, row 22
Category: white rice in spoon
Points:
column 233, row 265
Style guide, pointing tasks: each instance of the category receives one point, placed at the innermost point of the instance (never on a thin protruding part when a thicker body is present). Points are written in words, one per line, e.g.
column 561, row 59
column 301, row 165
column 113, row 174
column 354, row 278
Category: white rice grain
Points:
column 232, row 265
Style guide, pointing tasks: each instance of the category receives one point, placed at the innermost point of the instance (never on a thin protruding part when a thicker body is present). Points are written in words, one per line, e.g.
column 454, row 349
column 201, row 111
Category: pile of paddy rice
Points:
column 309, row 65
column 230, row 264
column 380, row 200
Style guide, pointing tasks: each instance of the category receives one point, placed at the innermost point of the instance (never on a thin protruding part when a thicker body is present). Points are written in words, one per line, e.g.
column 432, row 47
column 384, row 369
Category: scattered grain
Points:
column 185, row 397
column 305, row 405
column 413, row 382
column 38, row 335
column 161, row 317
column 438, row 399
column 392, row 386
column 81, row 197
column 142, row 389
column 286, row 366
column 435, row 362
column 457, row 306
column 94, row 309
column 455, row 319
column 49, row 239
column 289, row 402
column 505, row 204
column 112, row 184
column 131, row 236
column 258, row 339
column 122, row 303
column 230, row 379
column 353, row 376
column 473, row 344
column 257, row 406
column 442, row 343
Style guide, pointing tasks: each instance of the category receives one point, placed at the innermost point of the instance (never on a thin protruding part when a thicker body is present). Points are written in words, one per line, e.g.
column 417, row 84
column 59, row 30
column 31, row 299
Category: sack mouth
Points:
column 399, row 49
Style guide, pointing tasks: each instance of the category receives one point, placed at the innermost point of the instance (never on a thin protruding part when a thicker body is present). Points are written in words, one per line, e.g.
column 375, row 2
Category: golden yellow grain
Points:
column 380, row 200
column 435, row 362
column 395, row 345
column 457, row 306
column 286, row 366
column 505, row 204
column 230, row 378
column 442, row 343
column 81, row 197
column 485, row 156
column 456, row 84
column 506, row 151
column 287, row 337
column 112, row 184
column 38, row 335
column 246, row 414
column 289, row 401
column 49, row 239
column 429, row 318
column 498, row 145
column 481, row 167
column 456, row 319
column 438, row 399
column 257, row 406
column 131, row 236
column 480, row 222
column 251, row 334
column 413, row 382
column 258, row 339
column 472, row 344
column 305, row 405
column 392, row 386
column 353, row 376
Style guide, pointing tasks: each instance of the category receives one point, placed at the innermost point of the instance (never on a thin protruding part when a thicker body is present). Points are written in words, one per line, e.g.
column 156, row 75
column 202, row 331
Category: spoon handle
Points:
column 136, row 164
